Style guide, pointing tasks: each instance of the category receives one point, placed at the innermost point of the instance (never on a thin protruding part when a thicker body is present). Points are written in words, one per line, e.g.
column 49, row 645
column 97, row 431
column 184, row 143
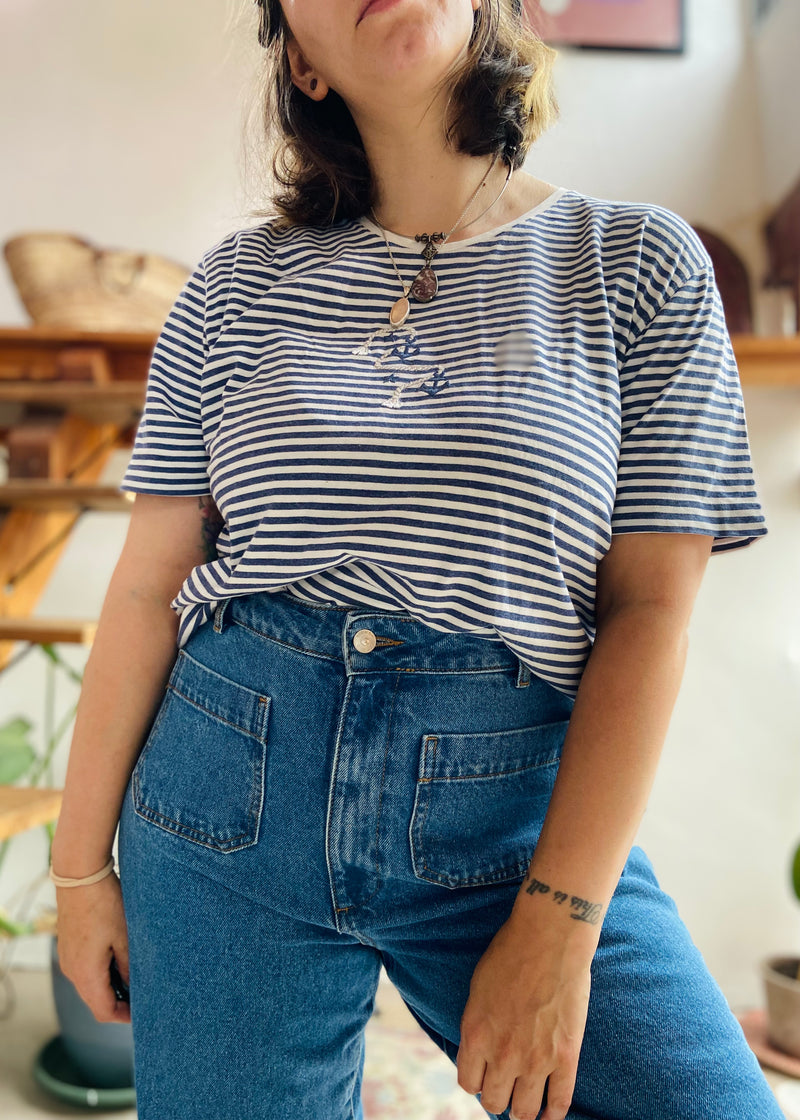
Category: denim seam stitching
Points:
column 287, row 645
column 380, row 799
column 190, row 832
column 262, row 703
column 495, row 773
column 501, row 875
column 337, row 910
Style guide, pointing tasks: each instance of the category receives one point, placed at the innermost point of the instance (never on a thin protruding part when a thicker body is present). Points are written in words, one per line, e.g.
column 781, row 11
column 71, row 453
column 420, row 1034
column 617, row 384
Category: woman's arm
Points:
column 126, row 672
column 539, row 963
column 646, row 588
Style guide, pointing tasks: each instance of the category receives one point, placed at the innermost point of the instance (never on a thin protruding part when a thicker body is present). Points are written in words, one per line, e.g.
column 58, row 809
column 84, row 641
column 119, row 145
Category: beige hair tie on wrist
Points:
column 61, row 881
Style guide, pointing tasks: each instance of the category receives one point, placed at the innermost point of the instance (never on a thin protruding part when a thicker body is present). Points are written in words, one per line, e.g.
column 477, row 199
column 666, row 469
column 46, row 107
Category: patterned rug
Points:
column 406, row 1076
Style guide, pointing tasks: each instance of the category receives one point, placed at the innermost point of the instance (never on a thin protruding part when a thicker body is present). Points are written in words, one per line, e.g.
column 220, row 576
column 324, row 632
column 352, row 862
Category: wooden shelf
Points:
column 22, row 808
column 768, row 361
column 39, row 353
column 76, row 631
column 73, row 392
column 46, row 494
column 29, row 334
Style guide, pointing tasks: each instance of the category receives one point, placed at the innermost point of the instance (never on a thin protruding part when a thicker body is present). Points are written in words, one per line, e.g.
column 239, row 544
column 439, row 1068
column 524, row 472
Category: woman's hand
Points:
column 92, row 929
column 524, row 1020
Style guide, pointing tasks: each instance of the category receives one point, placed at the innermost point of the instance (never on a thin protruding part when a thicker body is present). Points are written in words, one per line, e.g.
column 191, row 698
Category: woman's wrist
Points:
column 82, row 880
column 546, row 911
column 76, row 863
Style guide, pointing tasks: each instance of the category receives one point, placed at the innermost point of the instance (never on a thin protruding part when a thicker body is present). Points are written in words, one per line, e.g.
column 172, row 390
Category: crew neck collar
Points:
column 450, row 246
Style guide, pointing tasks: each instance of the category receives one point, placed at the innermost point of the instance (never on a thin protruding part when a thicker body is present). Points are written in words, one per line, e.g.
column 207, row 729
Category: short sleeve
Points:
column 684, row 463
column 169, row 454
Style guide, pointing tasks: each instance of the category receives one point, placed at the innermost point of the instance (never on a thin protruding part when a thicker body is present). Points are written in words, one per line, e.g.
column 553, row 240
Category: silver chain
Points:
column 407, row 286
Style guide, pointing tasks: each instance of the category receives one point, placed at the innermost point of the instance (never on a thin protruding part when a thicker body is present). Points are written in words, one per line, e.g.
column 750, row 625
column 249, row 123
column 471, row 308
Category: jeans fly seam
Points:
column 380, row 798
column 334, row 764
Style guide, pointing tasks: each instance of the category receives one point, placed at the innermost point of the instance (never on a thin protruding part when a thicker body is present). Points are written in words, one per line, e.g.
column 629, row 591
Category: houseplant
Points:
column 781, row 976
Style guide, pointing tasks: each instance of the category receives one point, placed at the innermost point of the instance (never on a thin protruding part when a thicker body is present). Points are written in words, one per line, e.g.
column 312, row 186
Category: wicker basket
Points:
column 65, row 281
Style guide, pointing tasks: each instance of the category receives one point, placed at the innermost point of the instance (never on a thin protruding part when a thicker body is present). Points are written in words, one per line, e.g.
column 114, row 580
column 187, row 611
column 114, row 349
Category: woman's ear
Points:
column 302, row 73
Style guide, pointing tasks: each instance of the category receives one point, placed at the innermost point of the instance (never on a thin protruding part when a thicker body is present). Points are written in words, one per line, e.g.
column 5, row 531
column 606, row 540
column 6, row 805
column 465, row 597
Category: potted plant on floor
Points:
column 88, row 1057
column 781, row 976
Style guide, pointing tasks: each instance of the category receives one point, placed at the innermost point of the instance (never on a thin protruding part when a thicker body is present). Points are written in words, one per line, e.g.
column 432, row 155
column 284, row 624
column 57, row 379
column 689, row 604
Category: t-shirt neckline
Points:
column 488, row 235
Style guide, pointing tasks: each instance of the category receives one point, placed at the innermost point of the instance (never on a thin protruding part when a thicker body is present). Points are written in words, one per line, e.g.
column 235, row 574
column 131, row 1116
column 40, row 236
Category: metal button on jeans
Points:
column 364, row 641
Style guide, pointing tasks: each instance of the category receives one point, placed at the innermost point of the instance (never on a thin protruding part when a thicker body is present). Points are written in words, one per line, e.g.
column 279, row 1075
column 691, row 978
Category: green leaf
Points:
column 15, row 761
column 12, row 928
column 796, row 872
column 15, row 731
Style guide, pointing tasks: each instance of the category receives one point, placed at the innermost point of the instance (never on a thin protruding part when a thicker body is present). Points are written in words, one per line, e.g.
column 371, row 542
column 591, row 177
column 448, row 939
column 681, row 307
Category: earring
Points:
column 313, row 83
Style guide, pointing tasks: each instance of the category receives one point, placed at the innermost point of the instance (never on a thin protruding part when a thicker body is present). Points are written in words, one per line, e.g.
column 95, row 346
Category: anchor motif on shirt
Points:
column 400, row 353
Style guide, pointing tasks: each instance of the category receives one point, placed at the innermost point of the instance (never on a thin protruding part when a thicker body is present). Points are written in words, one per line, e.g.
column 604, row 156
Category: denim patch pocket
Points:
column 480, row 802
column 200, row 773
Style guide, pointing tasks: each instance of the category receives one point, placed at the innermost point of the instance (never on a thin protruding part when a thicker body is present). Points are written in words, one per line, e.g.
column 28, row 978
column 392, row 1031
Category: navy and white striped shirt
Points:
column 573, row 378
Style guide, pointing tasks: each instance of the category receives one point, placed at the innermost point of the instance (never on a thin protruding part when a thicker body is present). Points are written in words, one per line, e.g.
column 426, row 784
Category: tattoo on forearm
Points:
column 581, row 909
column 212, row 523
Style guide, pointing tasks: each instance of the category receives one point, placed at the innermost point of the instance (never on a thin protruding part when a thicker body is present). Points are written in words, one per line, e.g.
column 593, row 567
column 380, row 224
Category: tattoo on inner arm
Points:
column 212, row 523
column 581, row 909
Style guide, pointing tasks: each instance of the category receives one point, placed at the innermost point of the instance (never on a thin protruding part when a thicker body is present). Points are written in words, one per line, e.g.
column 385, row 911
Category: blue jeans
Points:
column 325, row 790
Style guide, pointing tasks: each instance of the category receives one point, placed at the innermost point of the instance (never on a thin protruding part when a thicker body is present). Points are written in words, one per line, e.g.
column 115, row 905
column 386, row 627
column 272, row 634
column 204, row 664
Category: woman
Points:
column 430, row 469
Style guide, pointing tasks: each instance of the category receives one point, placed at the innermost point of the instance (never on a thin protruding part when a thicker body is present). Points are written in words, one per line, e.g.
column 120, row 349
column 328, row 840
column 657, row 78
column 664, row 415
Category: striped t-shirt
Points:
column 572, row 378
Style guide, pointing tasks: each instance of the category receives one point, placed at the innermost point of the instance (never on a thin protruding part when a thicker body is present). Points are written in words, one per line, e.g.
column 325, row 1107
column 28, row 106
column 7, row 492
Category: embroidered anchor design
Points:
column 400, row 353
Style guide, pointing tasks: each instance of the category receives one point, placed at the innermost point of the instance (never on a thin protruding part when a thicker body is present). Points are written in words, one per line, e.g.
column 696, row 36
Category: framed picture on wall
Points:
column 621, row 25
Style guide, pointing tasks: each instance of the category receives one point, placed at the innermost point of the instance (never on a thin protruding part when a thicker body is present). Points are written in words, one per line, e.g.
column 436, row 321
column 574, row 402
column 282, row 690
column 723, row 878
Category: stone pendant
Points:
column 399, row 312
column 425, row 286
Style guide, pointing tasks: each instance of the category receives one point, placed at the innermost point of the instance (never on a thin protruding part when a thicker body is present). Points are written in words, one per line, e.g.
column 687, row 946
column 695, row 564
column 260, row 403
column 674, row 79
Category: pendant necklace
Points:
column 426, row 283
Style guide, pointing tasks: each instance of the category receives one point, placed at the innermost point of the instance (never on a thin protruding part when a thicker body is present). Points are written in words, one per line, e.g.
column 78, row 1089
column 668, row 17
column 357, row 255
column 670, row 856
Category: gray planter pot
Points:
column 782, row 990
column 103, row 1052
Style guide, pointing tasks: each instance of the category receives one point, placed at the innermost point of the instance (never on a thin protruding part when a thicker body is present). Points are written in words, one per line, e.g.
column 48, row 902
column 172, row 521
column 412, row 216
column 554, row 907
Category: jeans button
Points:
column 364, row 641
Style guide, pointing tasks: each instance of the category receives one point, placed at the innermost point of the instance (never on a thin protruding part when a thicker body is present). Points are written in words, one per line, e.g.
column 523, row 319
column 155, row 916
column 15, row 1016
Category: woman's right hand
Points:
column 91, row 930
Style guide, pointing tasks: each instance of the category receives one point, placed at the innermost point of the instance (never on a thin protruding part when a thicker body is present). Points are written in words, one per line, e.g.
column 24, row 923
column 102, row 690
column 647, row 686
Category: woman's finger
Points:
column 560, row 1090
column 526, row 1103
column 470, row 1067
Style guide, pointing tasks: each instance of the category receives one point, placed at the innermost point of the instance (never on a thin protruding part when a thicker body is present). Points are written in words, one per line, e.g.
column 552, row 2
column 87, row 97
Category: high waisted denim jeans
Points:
column 325, row 790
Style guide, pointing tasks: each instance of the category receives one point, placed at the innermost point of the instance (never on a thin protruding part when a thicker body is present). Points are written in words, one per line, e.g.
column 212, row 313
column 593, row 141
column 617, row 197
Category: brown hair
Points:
column 501, row 100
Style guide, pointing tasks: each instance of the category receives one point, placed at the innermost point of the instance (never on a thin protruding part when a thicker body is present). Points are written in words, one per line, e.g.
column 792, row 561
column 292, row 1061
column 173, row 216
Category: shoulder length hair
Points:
column 501, row 100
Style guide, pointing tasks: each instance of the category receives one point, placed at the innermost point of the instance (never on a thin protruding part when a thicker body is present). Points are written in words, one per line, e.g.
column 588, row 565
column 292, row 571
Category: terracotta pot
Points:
column 782, row 990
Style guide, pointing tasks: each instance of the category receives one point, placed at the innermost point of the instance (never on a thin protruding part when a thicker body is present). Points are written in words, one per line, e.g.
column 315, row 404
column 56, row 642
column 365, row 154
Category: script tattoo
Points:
column 580, row 909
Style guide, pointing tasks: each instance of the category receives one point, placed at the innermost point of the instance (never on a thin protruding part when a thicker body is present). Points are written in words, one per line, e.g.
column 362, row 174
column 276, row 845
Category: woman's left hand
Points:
column 524, row 1020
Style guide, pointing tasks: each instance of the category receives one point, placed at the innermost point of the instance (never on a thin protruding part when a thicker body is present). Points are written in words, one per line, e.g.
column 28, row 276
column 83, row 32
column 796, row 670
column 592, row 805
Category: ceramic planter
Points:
column 782, row 990
column 103, row 1052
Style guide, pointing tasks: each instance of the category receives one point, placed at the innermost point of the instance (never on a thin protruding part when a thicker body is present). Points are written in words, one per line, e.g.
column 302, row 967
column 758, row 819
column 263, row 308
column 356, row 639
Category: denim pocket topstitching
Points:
column 200, row 774
column 480, row 801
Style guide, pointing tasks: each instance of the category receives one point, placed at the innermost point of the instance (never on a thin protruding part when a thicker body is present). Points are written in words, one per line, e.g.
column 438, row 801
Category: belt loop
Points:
column 219, row 613
column 523, row 675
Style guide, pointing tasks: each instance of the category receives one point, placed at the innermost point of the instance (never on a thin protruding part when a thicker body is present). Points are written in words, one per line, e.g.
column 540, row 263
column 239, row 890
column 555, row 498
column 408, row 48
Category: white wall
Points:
column 775, row 48
column 129, row 133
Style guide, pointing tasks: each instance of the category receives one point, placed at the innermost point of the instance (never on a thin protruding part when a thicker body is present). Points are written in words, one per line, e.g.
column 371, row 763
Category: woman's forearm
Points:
column 609, row 759
column 126, row 672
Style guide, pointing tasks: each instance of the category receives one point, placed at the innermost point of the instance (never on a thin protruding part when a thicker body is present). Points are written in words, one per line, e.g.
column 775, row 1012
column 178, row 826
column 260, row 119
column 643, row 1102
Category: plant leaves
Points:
column 15, row 761
column 15, row 731
column 796, row 872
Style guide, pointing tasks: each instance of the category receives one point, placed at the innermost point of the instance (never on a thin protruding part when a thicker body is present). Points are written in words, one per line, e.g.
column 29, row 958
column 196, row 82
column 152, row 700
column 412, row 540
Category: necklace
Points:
column 425, row 284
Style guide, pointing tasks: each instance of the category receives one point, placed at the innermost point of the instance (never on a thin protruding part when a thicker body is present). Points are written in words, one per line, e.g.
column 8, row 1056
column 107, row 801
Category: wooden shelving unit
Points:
column 767, row 361
column 67, row 400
